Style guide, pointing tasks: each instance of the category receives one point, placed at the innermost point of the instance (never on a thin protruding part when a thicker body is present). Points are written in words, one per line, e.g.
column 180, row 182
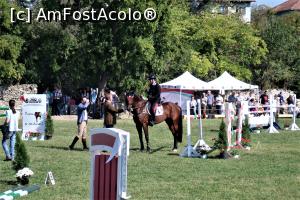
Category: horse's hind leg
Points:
column 173, row 130
column 145, row 128
column 140, row 132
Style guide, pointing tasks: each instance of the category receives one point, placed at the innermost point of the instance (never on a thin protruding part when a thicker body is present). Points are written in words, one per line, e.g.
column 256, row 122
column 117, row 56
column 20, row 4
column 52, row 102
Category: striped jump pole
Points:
column 238, row 136
column 18, row 192
column 109, row 150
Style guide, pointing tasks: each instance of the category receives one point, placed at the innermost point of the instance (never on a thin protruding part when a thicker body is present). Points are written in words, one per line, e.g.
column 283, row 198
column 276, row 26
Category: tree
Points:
column 22, row 158
column 281, row 67
column 225, row 43
column 11, row 44
column 246, row 137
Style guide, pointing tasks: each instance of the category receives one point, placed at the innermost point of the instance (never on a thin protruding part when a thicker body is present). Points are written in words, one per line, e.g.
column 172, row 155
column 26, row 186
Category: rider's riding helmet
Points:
column 151, row 77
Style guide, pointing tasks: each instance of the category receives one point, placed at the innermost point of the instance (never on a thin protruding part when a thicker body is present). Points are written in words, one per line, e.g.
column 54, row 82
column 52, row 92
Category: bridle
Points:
column 130, row 97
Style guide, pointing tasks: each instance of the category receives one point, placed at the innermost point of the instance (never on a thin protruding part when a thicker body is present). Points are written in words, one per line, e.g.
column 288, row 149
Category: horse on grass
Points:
column 172, row 115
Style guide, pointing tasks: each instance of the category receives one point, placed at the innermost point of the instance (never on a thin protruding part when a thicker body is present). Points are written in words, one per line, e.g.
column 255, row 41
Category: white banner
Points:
column 34, row 116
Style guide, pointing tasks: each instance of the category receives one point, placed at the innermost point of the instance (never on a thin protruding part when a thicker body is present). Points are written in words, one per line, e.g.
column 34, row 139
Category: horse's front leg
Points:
column 145, row 128
column 175, row 144
column 140, row 132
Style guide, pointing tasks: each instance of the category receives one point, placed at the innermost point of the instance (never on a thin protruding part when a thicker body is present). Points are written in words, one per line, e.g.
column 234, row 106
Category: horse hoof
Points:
column 175, row 150
column 142, row 150
column 148, row 150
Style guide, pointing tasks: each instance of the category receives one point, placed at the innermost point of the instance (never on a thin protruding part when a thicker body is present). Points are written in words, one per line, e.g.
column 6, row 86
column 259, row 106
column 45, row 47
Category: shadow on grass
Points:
column 156, row 150
column 8, row 182
column 173, row 154
column 60, row 148
column 134, row 149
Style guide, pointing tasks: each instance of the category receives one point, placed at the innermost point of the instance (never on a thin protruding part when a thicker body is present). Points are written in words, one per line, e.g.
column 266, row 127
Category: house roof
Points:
column 289, row 5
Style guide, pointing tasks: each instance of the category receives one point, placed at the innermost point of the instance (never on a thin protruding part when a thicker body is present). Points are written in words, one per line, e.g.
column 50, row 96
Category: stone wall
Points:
column 15, row 91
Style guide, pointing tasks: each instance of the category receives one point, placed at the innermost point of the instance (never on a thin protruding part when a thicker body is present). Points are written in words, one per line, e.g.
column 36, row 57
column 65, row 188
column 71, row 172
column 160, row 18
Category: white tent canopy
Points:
column 228, row 82
column 186, row 81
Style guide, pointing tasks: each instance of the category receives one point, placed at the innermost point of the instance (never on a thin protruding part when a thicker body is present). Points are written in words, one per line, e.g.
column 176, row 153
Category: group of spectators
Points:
column 214, row 103
column 63, row 104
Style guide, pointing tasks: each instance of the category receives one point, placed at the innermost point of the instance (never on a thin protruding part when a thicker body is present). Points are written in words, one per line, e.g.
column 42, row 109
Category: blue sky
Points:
column 271, row 3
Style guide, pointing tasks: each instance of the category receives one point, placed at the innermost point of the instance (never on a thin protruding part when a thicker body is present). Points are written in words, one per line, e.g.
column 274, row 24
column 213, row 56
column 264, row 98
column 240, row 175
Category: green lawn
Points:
column 271, row 170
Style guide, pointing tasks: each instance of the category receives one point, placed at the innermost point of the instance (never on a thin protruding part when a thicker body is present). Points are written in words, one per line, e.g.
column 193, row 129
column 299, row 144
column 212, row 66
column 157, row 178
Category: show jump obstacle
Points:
column 267, row 115
column 189, row 150
column 109, row 170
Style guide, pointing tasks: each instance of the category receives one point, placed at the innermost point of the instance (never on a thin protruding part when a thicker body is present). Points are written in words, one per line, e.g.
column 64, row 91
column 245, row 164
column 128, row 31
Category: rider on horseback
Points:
column 153, row 97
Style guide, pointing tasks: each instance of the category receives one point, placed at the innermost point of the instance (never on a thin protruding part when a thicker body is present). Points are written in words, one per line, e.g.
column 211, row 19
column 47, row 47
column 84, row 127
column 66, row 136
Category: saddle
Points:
column 158, row 109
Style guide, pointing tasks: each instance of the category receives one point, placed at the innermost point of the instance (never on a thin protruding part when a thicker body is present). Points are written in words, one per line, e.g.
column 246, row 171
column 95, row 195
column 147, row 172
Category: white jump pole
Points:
column 201, row 141
column 188, row 150
column 293, row 126
column 272, row 129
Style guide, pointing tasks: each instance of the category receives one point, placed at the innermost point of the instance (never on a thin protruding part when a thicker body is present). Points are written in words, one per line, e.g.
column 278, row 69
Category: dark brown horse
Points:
column 172, row 115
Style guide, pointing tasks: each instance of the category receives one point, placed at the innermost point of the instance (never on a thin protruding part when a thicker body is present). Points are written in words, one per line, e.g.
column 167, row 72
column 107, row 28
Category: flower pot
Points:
column 24, row 180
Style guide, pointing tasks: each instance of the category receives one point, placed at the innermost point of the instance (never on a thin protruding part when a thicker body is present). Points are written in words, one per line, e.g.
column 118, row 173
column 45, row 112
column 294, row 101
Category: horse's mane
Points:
column 138, row 98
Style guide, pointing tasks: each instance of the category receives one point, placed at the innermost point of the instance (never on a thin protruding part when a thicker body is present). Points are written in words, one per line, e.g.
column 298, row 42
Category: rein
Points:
column 136, row 108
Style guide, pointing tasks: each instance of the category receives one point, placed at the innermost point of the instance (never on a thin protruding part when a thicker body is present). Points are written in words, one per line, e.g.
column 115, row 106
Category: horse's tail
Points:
column 180, row 127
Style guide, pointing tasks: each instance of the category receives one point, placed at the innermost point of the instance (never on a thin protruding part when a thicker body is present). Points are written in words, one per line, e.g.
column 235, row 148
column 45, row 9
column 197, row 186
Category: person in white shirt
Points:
column 219, row 104
column 193, row 106
column 82, row 118
column 12, row 120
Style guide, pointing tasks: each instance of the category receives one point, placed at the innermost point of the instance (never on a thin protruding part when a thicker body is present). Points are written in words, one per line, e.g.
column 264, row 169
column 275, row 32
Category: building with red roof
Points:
column 288, row 6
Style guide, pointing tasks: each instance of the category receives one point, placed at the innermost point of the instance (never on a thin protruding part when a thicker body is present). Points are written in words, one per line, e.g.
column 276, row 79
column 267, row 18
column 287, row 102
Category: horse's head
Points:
column 129, row 100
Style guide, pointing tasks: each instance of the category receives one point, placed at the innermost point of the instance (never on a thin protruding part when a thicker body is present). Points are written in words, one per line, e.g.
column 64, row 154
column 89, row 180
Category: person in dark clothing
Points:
column 264, row 100
column 109, row 110
column 153, row 97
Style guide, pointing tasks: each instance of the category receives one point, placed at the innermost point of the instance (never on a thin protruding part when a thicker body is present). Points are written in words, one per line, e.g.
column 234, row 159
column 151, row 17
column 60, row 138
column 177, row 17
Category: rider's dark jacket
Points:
column 154, row 93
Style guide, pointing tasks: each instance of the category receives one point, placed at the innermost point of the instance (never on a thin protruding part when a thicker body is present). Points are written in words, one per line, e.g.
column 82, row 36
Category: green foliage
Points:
column 246, row 137
column 21, row 156
column 11, row 44
column 178, row 40
column 281, row 33
column 221, row 143
column 49, row 125
column 224, row 43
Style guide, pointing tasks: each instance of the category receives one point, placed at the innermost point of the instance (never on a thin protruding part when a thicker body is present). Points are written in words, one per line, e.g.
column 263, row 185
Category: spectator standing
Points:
column 57, row 95
column 49, row 98
column 290, row 102
column 82, row 118
column 231, row 98
column 94, row 93
column 109, row 110
column 193, row 106
column 219, row 104
column 210, row 101
column 203, row 105
column 12, row 120
column 264, row 100
column 281, row 99
column 281, row 102
column 238, row 102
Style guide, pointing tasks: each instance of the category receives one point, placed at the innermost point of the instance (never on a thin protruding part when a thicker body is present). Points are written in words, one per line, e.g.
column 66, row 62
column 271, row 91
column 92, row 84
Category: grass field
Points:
column 271, row 170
